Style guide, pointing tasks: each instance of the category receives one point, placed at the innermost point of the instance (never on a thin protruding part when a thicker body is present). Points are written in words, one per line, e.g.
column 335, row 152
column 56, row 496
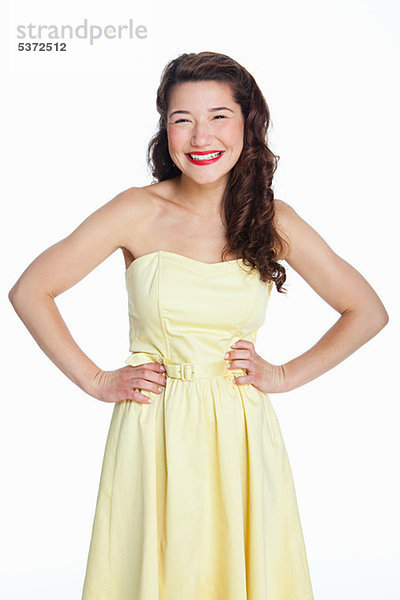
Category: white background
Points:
column 75, row 131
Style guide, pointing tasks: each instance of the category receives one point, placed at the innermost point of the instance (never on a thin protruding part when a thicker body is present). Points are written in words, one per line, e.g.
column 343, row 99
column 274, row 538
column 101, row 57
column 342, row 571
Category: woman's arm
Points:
column 340, row 285
column 59, row 268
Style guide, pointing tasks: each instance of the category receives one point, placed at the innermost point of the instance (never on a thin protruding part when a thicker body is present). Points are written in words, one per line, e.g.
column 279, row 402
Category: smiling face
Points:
column 205, row 129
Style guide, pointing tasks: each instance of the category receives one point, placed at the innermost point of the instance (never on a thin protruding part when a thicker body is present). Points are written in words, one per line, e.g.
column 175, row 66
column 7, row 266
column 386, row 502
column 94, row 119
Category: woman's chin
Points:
column 204, row 178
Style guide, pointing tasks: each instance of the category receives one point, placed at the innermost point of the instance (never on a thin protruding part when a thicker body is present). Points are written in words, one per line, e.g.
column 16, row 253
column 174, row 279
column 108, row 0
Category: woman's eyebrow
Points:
column 186, row 112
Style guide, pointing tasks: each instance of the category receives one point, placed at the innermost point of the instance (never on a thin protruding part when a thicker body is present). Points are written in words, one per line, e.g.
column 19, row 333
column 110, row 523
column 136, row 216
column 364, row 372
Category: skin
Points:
column 138, row 221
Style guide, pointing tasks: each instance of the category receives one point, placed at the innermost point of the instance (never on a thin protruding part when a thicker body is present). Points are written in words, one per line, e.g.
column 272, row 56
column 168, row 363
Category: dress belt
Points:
column 185, row 371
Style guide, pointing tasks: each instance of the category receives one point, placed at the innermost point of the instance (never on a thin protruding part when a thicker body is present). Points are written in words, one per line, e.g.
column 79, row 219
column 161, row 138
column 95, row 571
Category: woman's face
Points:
column 204, row 119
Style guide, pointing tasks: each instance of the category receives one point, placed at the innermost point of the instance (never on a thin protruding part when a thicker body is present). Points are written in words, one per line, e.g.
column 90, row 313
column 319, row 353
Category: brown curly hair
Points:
column 248, row 201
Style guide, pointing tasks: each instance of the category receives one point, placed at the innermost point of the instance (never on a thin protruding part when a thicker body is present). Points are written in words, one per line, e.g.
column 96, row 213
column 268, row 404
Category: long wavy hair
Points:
column 248, row 202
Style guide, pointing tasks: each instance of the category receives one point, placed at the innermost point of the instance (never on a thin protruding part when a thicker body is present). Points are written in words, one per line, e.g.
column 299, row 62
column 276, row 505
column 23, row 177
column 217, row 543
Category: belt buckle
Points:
column 186, row 371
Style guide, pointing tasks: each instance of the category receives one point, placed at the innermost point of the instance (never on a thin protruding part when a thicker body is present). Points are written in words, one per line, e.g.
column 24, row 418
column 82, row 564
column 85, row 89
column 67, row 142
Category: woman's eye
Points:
column 220, row 116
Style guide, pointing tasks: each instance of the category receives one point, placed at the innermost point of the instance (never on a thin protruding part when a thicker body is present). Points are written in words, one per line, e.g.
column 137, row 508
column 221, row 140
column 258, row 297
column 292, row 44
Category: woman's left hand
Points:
column 260, row 373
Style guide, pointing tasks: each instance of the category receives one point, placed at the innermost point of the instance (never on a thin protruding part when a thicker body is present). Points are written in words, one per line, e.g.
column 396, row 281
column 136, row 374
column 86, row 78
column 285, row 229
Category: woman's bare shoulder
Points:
column 283, row 217
column 139, row 200
column 134, row 198
column 142, row 212
column 282, row 210
column 295, row 230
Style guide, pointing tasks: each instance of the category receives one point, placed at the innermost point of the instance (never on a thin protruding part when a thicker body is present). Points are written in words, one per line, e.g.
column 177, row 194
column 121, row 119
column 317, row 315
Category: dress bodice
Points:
column 187, row 310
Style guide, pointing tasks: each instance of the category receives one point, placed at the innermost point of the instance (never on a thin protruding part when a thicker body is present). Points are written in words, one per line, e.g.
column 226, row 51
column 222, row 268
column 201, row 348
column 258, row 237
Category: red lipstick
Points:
column 204, row 161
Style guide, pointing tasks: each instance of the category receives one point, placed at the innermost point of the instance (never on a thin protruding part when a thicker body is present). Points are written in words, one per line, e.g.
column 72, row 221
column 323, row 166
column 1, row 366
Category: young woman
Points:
column 196, row 498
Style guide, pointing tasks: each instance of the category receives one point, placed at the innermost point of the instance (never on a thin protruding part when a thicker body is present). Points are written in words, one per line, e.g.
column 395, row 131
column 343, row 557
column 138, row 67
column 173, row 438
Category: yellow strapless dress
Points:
column 196, row 498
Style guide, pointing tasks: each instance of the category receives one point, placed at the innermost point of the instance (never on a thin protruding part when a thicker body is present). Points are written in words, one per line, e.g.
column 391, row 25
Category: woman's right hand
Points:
column 118, row 385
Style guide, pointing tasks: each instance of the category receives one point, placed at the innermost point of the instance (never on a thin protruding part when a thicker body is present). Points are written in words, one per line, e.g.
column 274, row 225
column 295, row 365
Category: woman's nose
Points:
column 201, row 135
